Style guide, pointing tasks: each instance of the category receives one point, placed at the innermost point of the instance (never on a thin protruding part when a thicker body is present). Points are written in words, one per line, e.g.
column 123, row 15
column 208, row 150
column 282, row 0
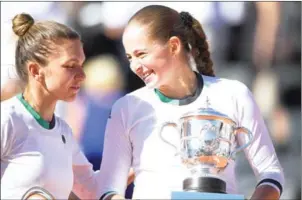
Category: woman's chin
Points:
column 69, row 98
column 152, row 82
column 151, row 85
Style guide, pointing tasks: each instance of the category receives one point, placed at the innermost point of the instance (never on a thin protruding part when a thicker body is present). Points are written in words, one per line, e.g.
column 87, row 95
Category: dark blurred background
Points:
column 257, row 43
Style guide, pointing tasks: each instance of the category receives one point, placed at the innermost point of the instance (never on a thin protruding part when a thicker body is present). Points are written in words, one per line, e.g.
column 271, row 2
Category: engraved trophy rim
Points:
column 207, row 114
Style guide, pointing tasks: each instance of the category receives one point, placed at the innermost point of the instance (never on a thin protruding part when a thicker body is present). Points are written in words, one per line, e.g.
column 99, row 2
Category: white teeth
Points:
column 147, row 74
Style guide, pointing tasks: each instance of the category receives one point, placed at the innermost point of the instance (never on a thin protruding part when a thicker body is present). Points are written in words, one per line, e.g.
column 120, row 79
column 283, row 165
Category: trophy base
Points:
column 204, row 184
column 205, row 196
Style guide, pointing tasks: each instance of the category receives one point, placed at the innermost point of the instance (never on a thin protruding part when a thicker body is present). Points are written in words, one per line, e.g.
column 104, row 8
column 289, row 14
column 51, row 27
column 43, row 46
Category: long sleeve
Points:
column 85, row 179
column 6, row 135
column 117, row 154
column 260, row 153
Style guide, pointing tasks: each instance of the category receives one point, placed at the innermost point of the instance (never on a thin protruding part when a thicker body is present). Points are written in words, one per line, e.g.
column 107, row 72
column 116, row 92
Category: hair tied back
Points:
column 22, row 23
column 187, row 19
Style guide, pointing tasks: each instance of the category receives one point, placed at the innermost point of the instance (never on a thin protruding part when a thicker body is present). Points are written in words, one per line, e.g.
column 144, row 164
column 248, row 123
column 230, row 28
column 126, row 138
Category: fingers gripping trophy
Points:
column 207, row 138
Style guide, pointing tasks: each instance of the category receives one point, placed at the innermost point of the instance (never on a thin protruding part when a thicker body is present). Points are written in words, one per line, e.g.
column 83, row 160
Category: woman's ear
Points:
column 35, row 71
column 175, row 45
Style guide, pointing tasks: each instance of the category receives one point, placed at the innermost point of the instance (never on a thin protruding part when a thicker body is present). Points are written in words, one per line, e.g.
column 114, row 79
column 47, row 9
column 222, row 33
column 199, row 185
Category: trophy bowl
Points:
column 207, row 143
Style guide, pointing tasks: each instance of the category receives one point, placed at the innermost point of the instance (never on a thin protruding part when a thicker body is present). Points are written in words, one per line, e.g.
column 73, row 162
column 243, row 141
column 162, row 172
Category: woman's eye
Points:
column 138, row 55
column 141, row 55
column 71, row 66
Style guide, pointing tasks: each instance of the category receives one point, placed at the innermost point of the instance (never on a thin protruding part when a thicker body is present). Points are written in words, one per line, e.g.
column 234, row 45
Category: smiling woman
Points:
column 49, row 59
column 169, row 52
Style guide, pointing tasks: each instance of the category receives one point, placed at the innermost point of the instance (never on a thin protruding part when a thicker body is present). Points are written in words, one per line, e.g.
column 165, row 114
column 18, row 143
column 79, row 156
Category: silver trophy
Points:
column 37, row 193
column 207, row 143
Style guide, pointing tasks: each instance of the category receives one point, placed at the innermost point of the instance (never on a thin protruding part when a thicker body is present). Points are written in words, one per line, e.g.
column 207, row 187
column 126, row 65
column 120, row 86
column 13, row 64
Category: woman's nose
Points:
column 81, row 76
column 136, row 66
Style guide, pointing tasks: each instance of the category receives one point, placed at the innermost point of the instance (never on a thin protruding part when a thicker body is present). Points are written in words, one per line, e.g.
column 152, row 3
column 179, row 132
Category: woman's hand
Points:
column 36, row 196
column 131, row 177
column 115, row 197
column 265, row 192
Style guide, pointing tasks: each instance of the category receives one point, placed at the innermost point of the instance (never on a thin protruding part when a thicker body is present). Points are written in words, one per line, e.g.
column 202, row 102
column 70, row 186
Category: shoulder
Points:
column 139, row 92
column 10, row 111
column 130, row 104
column 231, row 86
column 7, row 113
column 13, row 124
column 132, row 98
column 63, row 125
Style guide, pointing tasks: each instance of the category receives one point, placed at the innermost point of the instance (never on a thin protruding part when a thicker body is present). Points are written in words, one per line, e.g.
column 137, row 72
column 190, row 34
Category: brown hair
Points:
column 37, row 41
column 164, row 22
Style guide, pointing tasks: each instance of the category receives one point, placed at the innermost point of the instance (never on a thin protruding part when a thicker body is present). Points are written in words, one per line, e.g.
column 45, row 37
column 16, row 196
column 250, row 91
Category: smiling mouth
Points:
column 147, row 74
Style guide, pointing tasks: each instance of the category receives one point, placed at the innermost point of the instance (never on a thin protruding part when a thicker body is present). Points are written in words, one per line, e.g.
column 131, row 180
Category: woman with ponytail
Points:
column 169, row 52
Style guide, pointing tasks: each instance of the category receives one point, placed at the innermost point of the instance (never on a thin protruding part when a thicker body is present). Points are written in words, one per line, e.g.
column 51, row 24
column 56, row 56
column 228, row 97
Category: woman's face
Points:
column 149, row 59
column 64, row 73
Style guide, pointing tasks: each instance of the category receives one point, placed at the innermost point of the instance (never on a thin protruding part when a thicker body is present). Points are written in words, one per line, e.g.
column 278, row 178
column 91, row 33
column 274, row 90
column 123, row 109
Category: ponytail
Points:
column 198, row 44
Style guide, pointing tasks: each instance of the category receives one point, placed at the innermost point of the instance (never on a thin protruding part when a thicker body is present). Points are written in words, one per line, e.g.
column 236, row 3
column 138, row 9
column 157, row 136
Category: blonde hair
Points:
column 37, row 41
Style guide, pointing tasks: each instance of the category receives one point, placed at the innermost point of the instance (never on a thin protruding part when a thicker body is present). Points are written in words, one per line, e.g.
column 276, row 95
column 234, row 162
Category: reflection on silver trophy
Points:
column 37, row 193
column 207, row 143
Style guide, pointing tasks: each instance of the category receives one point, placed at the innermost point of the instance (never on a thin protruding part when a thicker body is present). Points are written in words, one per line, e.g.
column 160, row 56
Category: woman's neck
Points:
column 184, row 85
column 41, row 102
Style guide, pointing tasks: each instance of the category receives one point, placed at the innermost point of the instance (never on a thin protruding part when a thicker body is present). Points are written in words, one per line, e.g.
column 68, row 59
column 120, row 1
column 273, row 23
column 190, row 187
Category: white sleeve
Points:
column 85, row 183
column 117, row 154
column 260, row 153
column 6, row 135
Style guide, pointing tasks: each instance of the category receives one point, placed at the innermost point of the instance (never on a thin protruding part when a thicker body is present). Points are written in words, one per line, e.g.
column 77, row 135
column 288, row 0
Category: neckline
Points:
column 185, row 101
column 45, row 124
column 162, row 97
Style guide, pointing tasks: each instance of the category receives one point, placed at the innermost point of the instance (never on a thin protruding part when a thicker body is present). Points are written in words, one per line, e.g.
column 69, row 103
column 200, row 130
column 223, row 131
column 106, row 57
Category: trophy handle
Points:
column 245, row 131
column 37, row 193
column 166, row 141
